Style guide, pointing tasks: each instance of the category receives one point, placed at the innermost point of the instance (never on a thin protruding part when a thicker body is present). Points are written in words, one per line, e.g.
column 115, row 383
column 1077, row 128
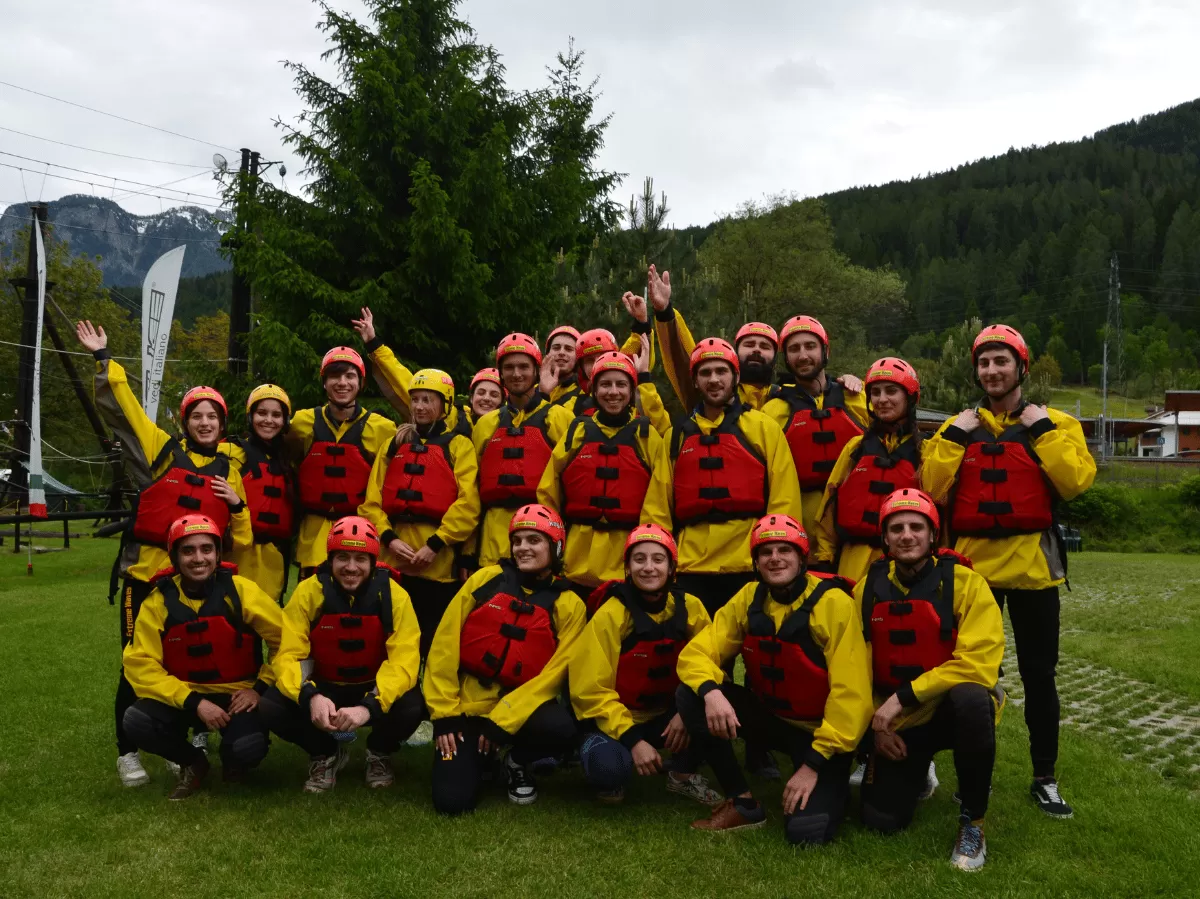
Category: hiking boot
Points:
column 422, row 736
column 727, row 817
column 191, row 779
column 130, row 770
column 522, row 788
column 1045, row 793
column 931, row 783
column 970, row 848
column 379, row 770
column 762, row 764
column 857, row 775
column 693, row 786
column 322, row 771
column 611, row 797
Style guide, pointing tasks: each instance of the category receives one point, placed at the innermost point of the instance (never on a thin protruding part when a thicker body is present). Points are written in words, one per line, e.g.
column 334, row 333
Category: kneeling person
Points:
column 808, row 689
column 348, row 659
column 623, row 676
column 936, row 642
column 196, row 659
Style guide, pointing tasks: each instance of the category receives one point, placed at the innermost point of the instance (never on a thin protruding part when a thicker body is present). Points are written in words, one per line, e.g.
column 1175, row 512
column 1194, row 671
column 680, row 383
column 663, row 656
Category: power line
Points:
column 118, row 358
column 68, row 168
column 113, row 115
column 92, row 185
column 62, row 143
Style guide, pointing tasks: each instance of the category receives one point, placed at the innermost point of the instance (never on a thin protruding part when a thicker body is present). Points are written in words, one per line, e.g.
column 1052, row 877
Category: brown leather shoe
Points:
column 191, row 779
column 727, row 817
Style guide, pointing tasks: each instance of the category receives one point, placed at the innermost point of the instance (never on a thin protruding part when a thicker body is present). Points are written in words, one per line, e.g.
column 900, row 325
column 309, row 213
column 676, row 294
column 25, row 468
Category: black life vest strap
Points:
column 177, row 453
column 221, row 599
column 872, row 445
column 645, row 627
column 509, row 582
column 795, row 627
column 936, row 585
column 374, row 599
column 322, row 433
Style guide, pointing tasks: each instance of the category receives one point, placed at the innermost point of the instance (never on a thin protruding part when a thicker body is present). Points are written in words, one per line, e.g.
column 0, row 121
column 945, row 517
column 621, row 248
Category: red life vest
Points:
column 786, row 669
column 514, row 458
column 509, row 637
column 718, row 476
column 270, row 492
column 914, row 632
column 334, row 472
column 816, row 436
column 213, row 645
column 348, row 641
column 876, row 474
column 606, row 480
column 420, row 484
column 185, row 488
column 1001, row 488
column 646, row 675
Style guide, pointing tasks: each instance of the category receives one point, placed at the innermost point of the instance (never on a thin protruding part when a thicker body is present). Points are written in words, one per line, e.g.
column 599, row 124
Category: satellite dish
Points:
column 220, row 162
column 283, row 171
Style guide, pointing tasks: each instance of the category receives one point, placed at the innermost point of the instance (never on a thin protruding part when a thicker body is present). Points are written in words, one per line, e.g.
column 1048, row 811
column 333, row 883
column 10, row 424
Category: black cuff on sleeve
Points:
column 101, row 354
column 814, row 760
column 436, row 543
column 447, row 725
column 641, row 327
column 956, row 434
column 374, row 343
column 645, row 378
column 387, row 537
column 630, row 738
column 234, row 510
column 371, row 703
column 1040, row 427
column 260, row 687
column 307, row 691
column 192, row 703
column 707, row 687
column 667, row 315
column 495, row 732
column 907, row 697
column 471, row 563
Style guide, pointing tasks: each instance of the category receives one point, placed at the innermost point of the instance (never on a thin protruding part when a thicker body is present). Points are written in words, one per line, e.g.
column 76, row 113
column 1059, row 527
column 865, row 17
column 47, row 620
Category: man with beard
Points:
column 558, row 366
column 1001, row 468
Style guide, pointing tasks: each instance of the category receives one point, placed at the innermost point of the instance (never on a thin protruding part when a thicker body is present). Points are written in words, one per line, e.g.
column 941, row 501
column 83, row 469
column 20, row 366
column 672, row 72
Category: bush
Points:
column 1189, row 491
column 1103, row 507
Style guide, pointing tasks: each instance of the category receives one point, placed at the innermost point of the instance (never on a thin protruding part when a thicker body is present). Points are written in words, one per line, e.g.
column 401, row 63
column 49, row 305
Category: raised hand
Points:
column 92, row 338
column 365, row 326
column 658, row 288
column 635, row 306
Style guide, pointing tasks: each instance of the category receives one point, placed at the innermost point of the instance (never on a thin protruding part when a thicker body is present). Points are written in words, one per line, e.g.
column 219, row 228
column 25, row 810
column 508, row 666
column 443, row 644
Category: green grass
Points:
column 68, row 829
column 1091, row 402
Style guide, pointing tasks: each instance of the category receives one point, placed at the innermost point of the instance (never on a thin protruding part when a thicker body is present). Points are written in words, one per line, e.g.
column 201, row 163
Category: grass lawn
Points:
column 1091, row 403
column 67, row 828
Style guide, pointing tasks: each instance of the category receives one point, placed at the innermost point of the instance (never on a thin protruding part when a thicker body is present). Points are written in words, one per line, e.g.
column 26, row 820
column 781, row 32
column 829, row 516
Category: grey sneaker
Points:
column 200, row 741
column 322, row 771
column 130, row 770
column 422, row 736
column 1049, row 800
column 379, row 770
column 970, row 848
column 931, row 783
column 857, row 775
column 693, row 786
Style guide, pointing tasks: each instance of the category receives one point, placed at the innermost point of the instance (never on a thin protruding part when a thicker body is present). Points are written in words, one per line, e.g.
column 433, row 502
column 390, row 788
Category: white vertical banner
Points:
column 37, row 488
column 158, row 309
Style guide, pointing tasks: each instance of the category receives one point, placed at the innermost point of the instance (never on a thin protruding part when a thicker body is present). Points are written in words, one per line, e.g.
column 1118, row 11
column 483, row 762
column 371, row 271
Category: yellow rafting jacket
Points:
column 593, row 555
column 378, row 433
column 262, row 563
column 855, row 558
column 492, row 544
column 1021, row 562
column 141, row 442
column 723, row 547
column 143, row 657
column 781, row 413
column 456, row 525
column 593, row 668
column 978, row 651
column 391, row 376
column 452, row 694
column 396, row 676
column 835, row 625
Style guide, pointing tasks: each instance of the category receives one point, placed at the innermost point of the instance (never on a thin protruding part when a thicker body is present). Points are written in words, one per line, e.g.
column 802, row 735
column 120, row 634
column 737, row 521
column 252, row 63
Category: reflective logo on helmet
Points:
column 648, row 535
column 349, row 541
column 905, row 503
column 197, row 526
column 880, row 373
column 518, row 525
column 712, row 354
column 762, row 535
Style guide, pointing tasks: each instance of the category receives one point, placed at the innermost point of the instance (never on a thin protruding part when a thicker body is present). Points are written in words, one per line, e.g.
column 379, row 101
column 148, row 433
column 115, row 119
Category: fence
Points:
column 1150, row 473
column 66, row 518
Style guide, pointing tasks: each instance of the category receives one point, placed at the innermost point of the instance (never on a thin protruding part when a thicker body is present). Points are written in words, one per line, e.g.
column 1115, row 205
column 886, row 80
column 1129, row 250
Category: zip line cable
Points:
column 68, row 168
column 62, row 143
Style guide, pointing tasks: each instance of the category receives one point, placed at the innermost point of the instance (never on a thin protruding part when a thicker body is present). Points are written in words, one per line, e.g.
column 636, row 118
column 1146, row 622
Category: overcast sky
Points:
column 720, row 102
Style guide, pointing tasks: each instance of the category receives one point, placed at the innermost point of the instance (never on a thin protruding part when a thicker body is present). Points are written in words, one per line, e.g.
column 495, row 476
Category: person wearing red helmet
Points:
column 557, row 373
column 498, row 664
column 727, row 465
column 599, row 476
column 935, row 640
column 819, row 415
column 1002, row 467
column 513, row 444
column 884, row 459
column 196, row 659
column 348, row 659
column 484, row 394
column 172, row 476
column 622, row 676
column 807, row 687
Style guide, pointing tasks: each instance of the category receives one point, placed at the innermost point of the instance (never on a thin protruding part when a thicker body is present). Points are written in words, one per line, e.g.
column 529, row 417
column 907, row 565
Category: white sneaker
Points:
column 693, row 786
column 322, row 772
column 174, row 769
column 857, row 775
column 931, row 783
column 130, row 770
column 200, row 741
column 422, row 736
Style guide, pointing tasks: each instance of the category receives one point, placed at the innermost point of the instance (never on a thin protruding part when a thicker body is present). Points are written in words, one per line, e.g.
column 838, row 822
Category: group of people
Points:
column 559, row 567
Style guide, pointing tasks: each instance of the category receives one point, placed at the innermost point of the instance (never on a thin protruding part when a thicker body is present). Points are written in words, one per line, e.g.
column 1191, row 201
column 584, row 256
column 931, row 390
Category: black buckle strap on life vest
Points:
column 508, row 582
column 322, row 433
column 646, row 628
column 800, row 400
column 936, row 586
column 374, row 598
column 794, row 628
column 729, row 425
column 221, row 599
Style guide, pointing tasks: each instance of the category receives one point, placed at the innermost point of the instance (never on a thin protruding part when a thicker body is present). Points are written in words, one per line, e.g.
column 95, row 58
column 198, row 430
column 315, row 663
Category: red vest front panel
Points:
column 606, row 481
column 269, row 494
column 646, row 667
column 212, row 645
column 875, row 476
column 334, row 473
column 815, row 436
column 513, row 460
column 183, row 489
column 420, row 483
column 911, row 633
column 508, row 638
column 1001, row 488
column 718, row 476
column 347, row 642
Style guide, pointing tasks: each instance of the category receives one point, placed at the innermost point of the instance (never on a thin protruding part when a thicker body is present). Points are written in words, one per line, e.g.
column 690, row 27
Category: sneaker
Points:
column 191, row 779
column 762, row 764
column 174, row 769
column 522, row 788
column 200, row 741
column 1049, row 800
column 322, row 771
column 970, row 848
column 130, row 770
column 727, row 816
column 931, row 783
column 379, row 770
column 857, row 775
column 611, row 797
column 422, row 736
column 693, row 786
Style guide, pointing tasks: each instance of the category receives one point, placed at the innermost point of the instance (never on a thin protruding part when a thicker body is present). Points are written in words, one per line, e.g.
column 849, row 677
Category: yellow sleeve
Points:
column 593, row 672
column 825, row 539
column 549, row 491
column 124, row 414
column 653, row 408
column 633, row 344
column 837, row 627
column 372, row 504
column 398, row 673
column 392, row 377
column 697, row 616
column 483, row 431
column 941, row 458
column 856, row 407
column 298, row 617
column 1065, row 457
column 701, row 660
column 378, row 434
column 441, row 683
column 299, row 434
column 677, row 344
column 266, row 618
column 783, row 485
column 558, row 420
column 514, row 709
column 142, row 658
column 462, row 517
column 240, row 527
column 656, row 507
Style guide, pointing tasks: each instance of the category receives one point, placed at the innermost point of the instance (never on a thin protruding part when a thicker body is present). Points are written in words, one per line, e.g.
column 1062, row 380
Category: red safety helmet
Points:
column 798, row 324
column 517, row 343
column 714, row 348
column 544, row 520
column 344, row 354
column 486, row 374
column 199, row 394
column 1005, row 336
column 595, row 342
column 909, row 499
column 353, row 534
column 652, row 533
column 189, row 526
column 778, row 529
column 615, row 361
column 897, row 371
column 758, row 328
column 562, row 329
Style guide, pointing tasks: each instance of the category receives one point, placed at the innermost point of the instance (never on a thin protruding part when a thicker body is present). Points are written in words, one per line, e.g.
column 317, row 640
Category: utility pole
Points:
column 239, row 313
column 1112, row 321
